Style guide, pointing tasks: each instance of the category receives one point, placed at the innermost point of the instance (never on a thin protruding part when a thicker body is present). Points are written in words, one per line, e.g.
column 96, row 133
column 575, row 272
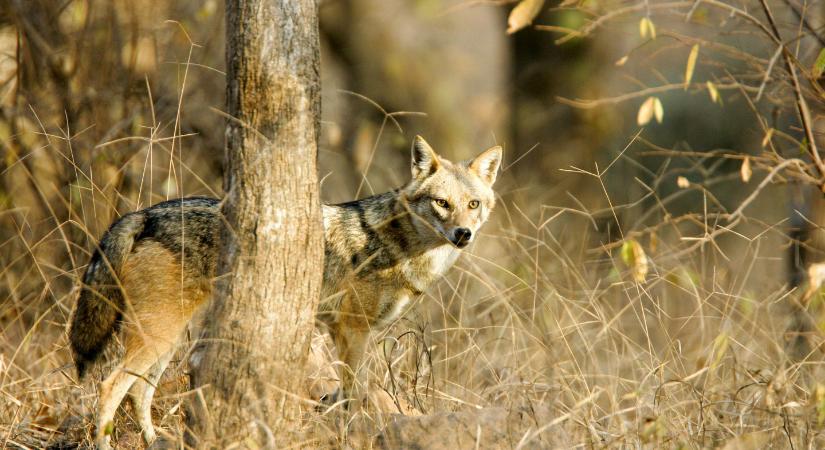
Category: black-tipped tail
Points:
column 101, row 302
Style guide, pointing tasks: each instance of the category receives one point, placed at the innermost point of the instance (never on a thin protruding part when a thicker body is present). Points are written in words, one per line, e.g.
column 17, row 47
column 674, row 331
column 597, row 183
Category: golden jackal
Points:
column 154, row 268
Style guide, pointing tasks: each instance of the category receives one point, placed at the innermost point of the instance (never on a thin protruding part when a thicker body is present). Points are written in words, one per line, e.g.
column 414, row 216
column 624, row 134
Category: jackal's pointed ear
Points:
column 486, row 164
column 424, row 159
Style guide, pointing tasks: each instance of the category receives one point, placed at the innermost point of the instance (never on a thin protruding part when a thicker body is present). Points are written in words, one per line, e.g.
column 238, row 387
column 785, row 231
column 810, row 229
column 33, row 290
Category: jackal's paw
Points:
column 149, row 434
column 102, row 443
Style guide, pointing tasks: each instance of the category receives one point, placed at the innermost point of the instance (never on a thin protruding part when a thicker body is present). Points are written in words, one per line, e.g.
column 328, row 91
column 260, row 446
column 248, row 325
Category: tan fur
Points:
column 416, row 247
column 381, row 252
column 152, row 282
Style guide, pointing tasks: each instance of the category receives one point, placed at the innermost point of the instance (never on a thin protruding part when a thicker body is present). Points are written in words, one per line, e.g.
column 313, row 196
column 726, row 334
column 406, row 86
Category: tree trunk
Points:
column 249, row 364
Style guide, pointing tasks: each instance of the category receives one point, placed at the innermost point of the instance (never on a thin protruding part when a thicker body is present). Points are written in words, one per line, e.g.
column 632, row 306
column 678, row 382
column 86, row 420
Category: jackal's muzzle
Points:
column 461, row 237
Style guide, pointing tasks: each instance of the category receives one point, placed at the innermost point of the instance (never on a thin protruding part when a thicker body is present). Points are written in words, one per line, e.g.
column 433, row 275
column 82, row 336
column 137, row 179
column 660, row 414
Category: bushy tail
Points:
column 101, row 303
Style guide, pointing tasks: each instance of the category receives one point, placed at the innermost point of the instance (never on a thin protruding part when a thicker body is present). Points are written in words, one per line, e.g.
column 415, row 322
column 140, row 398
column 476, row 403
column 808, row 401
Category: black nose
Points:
column 461, row 237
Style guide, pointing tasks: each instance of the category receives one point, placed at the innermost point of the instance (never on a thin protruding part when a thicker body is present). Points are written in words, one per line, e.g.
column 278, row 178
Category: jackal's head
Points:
column 450, row 201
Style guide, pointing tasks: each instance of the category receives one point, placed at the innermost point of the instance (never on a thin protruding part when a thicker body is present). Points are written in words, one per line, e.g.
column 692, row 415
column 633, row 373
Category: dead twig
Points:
column 801, row 104
column 776, row 169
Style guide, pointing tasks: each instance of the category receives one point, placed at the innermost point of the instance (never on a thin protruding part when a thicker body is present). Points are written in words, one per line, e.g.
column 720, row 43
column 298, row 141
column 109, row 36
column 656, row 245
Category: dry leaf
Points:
column 335, row 135
column 634, row 257
column 621, row 61
column 141, row 56
column 691, row 64
column 720, row 347
column 658, row 110
column 645, row 112
column 816, row 276
column 745, row 171
column 767, row 139
column 714, row 93
column 523, row 14
column 682, row 182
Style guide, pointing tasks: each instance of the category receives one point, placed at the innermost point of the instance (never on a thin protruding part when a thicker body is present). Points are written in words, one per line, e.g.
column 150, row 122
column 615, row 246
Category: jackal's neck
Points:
column 374, row 233
column 384, row 220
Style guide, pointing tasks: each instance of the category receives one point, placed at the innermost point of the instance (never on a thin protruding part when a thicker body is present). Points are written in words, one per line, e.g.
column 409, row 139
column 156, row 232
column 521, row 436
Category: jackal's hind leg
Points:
column 142, row 392
column 114, row 389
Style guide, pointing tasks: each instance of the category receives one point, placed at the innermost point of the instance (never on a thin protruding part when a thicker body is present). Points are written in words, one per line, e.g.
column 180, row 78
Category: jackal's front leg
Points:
column 350, row 343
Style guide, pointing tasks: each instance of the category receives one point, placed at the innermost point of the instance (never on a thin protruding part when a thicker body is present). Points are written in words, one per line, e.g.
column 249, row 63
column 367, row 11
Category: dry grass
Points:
column 541, row 312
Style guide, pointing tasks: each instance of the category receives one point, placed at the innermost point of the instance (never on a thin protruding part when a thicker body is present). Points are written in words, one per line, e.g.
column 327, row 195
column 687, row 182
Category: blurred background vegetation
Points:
column 649, row 276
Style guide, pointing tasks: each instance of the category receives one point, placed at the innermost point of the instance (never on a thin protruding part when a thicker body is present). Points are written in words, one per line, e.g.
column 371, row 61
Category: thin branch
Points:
column 589, row 104
column 768, row 71
column 590, row 27
column 775, row 170
column 801, row 17
column 801, row 104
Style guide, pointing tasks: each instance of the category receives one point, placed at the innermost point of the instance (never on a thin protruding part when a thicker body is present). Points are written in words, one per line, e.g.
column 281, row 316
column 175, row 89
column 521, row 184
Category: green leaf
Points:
column 820, row 404
column 627, row 254
column 819, row 64
column 633, row 255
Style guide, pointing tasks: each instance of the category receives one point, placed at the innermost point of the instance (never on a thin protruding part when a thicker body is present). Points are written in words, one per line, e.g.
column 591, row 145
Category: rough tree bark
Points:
column 250, row 360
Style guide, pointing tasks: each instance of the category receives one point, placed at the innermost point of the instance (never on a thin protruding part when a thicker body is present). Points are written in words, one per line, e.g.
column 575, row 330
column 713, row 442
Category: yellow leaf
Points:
column 621, row 61
column 645, row 112
column 745, row 171
column 658, row 110
column 714, row 93
column 646, row 28
column 523, row 14
column 691, row 64
column 682, row 182
column 720, row 347
column 634, row 257
column 820, row 404
column 767, row 139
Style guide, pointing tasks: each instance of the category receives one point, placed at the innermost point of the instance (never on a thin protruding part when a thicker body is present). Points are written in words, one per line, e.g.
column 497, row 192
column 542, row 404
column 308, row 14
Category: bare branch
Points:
column 801, row 104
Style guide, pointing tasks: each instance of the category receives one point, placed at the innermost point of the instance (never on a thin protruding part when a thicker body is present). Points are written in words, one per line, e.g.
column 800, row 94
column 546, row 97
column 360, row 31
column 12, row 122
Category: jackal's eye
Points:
column 473, row 204
column 442, row 203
